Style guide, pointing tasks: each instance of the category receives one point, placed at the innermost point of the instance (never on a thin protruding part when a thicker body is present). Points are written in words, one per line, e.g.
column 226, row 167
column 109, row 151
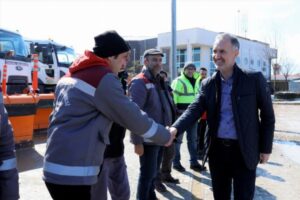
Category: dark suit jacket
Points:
column 252, row 109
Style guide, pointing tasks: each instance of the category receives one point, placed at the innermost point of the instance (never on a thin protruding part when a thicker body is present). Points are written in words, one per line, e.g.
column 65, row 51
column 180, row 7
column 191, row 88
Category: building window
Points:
column 264, row 63
column 164, row 58
column 246, row 61
column 258, row 63
column 212, row 67
column 181, row 58
column 196, row 56
column 251, row 62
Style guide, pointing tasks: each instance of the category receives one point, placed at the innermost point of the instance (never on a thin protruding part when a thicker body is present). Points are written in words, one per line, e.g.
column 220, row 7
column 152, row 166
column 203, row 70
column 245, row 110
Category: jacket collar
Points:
column 236, row 72
column 149, row 75
column 88, row 59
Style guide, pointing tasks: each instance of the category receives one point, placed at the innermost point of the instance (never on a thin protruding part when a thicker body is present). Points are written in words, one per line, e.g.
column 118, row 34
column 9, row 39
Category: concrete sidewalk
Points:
column 278, row 179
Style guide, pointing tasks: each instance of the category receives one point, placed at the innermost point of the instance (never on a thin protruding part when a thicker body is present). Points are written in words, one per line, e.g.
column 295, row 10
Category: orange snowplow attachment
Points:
column 44, row 109
column 21, row 110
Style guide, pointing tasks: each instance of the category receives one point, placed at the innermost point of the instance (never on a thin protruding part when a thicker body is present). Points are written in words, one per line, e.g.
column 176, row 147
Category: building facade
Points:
column 137, row 49
column 195, row 45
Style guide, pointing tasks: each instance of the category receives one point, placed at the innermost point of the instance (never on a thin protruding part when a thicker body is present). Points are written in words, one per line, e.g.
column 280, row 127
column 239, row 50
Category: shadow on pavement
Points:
column 205, row 179
column 265, row 173
column 275, row 164
column 263, row 194
column 28, row 159
column 185, row 194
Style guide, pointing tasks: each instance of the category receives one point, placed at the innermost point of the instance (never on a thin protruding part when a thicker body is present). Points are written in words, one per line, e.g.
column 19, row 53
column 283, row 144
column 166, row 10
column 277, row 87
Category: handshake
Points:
column 139, row 148
column 173, row 132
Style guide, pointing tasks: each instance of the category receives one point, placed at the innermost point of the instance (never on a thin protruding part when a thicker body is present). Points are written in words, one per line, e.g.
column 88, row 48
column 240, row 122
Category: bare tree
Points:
column 287, row 68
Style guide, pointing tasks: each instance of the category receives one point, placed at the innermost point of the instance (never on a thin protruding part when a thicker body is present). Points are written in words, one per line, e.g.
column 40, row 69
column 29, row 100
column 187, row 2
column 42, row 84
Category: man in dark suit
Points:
column 240, row 120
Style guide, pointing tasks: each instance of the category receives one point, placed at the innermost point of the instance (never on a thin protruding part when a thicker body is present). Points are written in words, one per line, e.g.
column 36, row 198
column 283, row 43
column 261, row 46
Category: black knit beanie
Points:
column 110, row 43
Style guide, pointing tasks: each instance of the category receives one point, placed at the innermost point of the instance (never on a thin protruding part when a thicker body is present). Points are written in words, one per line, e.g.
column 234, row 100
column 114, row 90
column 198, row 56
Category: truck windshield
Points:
column 12, row 42
column 65, row 56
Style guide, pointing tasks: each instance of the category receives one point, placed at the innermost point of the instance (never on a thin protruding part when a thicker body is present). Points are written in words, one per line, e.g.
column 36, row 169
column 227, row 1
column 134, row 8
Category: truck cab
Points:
column 15, row 55
column 54, row 61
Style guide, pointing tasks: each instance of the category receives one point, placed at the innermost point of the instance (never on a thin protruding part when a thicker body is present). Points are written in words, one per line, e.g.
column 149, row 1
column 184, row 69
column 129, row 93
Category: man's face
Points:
column 154, row 63
column 203, row 73
column 189, row 71
column 224, row 54
column 118, row 63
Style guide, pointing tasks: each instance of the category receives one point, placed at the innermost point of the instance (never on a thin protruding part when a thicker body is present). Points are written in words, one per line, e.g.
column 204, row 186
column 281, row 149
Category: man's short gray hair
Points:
column 234, row 41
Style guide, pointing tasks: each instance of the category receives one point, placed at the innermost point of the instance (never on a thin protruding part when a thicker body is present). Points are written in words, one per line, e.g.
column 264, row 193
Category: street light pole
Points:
column 173, row 68
column 133, row 56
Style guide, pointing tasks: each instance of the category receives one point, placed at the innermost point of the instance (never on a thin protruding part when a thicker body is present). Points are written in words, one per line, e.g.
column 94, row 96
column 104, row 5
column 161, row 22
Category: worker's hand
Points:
column 264, row 157
column 139, row 149
column 173, row 132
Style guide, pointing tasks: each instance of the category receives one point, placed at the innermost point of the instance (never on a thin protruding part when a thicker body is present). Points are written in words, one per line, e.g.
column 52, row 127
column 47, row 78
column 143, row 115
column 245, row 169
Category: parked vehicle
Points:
column 54, row 61
column 15, row 55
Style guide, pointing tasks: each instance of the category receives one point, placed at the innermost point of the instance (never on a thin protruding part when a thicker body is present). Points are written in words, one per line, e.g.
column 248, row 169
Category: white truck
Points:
column 54, row 61
column 15, row 55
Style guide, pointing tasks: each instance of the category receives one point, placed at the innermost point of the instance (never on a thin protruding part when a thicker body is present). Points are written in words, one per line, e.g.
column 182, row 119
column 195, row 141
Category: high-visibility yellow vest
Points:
column 183, row 91
column 198, row 83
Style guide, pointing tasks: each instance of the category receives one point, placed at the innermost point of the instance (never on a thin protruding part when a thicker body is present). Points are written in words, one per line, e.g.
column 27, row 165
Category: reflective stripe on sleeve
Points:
column 151, row 131
column 79, row 84
column 8, row 164
column 71, row 170
column 149, row 85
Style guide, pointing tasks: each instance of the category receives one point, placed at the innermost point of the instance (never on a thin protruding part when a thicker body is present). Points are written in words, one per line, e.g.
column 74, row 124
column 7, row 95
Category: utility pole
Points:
column 238, row 22
column 173, row 67
column 134, row 57
column 275, row 70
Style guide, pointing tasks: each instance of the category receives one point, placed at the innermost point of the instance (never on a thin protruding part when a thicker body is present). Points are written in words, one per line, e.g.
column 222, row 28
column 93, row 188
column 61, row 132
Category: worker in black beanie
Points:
column 89, row 99
column 109, row 44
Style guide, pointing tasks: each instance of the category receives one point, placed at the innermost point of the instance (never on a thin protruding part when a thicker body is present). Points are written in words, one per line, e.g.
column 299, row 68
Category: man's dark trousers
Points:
column 226, row 167
column 148, row 170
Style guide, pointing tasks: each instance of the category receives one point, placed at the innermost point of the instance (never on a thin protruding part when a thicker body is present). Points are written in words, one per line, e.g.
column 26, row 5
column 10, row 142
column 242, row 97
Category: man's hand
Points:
column 173, row 132
column 139, row 149
column 264, row 158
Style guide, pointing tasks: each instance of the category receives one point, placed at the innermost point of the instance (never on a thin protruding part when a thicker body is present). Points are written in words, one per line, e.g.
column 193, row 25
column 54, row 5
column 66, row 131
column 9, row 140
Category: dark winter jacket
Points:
column 9, row 185
column 87, row 101
column 252, row 109
column 152, row 95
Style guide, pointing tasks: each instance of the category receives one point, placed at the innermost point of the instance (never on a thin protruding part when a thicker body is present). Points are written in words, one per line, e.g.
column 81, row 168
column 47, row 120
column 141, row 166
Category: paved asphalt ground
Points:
column 278, row 179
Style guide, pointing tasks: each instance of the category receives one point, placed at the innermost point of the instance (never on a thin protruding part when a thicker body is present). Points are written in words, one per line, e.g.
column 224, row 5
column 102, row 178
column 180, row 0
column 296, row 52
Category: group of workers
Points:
column 227, row 117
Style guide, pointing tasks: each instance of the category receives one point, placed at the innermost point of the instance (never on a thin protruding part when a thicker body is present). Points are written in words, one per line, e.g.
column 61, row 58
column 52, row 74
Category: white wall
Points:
column 197, row 37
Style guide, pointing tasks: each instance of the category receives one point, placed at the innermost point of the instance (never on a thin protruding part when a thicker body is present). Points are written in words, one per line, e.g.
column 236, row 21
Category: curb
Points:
column 286, row 102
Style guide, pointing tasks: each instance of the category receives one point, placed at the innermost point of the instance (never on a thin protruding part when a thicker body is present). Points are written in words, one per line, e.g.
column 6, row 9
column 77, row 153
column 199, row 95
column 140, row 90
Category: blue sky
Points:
column 76, row 22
